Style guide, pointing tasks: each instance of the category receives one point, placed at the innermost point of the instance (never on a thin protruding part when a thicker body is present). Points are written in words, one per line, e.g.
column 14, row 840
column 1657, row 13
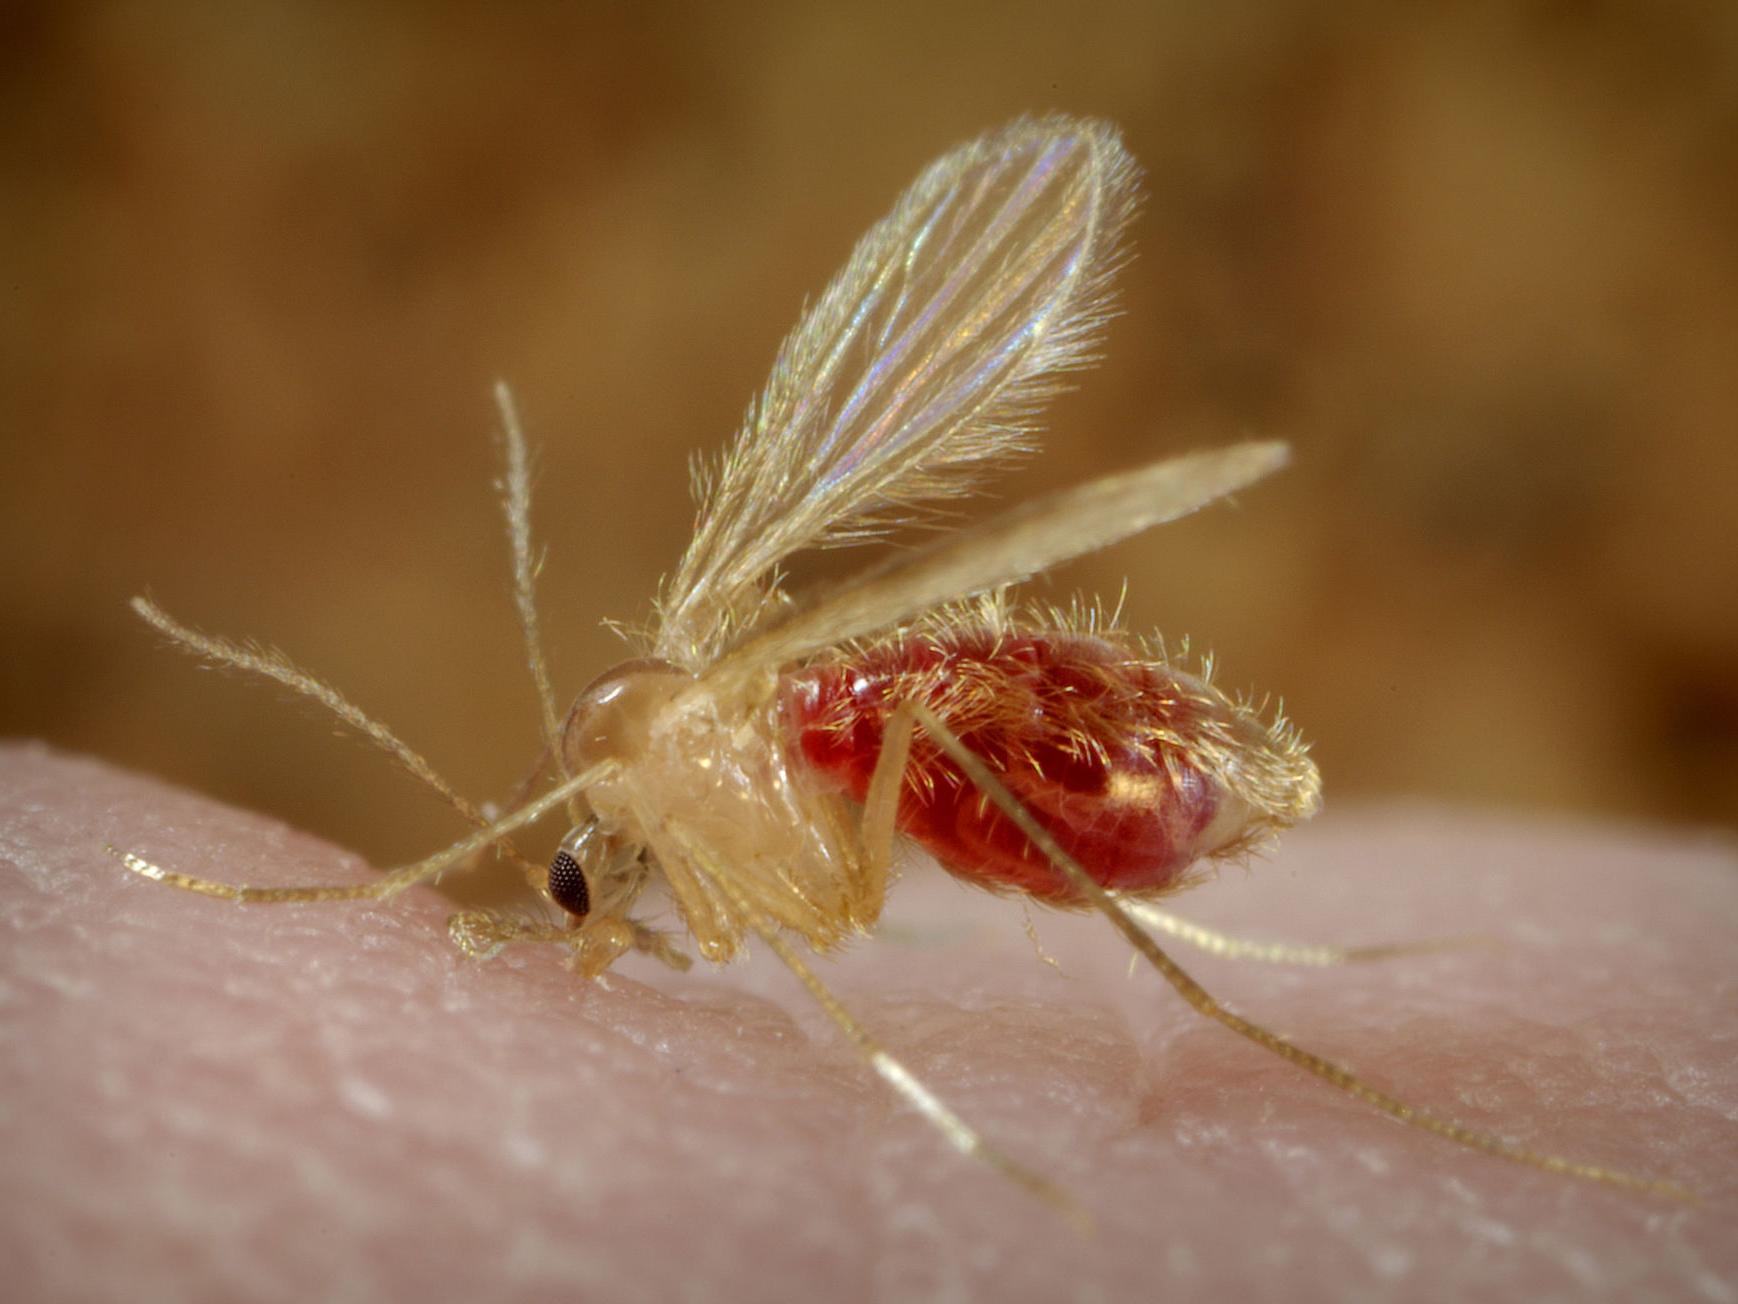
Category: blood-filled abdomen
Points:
column 1137, row 769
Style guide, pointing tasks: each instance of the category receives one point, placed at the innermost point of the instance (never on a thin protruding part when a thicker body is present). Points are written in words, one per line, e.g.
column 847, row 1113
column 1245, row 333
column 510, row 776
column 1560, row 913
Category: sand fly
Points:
column 762, row 752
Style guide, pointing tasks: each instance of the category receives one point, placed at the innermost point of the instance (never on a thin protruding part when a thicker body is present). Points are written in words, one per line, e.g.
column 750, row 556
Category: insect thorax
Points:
column 702, row 782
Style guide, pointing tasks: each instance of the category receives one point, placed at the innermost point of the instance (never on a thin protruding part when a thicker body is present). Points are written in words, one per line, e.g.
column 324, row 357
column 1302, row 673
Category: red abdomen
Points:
column 1119, row 756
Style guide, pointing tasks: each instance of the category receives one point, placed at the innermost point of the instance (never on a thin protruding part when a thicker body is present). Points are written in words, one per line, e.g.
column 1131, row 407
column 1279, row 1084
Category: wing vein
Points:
column 919, row 366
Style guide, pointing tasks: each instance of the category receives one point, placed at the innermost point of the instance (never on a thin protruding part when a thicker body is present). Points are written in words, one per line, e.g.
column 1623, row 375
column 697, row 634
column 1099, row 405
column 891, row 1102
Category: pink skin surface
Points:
column 203, row 1101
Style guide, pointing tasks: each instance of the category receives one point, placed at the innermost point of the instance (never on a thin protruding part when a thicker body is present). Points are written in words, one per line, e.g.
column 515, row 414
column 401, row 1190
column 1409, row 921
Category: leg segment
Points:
column 956, row 1130
column 1300, row 953
column 881, row 802
column 593, row 946
column 1197, row 996
column 881, row 808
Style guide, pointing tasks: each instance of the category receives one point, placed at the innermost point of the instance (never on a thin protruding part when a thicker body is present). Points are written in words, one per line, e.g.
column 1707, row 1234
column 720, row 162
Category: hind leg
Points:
column 1203, row 1002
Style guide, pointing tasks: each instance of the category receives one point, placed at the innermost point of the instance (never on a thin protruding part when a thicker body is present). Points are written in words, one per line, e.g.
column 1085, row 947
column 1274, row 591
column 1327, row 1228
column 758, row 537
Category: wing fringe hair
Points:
column 923, row 364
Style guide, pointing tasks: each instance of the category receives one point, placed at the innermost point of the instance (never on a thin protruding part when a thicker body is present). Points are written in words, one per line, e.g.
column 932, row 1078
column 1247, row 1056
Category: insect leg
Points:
column 881, row 802
column 387, row 885
column 958, row 1133
column 1197, row 996
column 1300, row 953
column 880, row 809
column 594, row 945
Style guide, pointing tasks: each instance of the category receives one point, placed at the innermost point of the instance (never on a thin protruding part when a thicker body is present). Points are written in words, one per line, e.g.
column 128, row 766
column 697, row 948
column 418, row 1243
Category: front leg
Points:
column 594, row 945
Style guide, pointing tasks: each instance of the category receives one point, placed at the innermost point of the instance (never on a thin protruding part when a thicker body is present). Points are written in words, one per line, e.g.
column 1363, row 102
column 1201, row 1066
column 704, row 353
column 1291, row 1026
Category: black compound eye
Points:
column 567, row 885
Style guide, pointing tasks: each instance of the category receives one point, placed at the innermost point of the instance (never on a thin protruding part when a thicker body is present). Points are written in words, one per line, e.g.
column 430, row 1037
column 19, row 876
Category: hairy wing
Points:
column 927, row 358
column 1005, row 550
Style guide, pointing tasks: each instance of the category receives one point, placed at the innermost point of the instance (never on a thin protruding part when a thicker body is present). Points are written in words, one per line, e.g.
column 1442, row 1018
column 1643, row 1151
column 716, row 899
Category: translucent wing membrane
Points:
column 1010, row 548
column 926, row 358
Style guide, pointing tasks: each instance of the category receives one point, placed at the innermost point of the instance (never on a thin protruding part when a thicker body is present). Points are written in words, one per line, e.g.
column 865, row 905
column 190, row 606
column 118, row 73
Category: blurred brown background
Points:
column 263, row 262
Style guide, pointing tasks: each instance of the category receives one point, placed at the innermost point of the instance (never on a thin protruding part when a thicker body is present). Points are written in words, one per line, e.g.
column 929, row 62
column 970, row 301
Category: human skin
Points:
column 206, row 1101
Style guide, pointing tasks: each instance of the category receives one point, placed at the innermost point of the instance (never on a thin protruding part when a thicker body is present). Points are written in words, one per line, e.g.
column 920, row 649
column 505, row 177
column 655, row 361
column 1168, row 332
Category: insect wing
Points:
column 925, row 360
column 1010, row 548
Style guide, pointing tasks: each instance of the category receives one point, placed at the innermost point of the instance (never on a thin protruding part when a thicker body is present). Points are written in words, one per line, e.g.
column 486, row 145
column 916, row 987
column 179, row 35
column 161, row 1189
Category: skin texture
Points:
column 205, row 1101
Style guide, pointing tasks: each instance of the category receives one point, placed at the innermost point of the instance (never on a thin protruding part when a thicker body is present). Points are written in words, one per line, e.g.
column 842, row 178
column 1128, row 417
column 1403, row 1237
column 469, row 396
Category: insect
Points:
column 762, row 752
